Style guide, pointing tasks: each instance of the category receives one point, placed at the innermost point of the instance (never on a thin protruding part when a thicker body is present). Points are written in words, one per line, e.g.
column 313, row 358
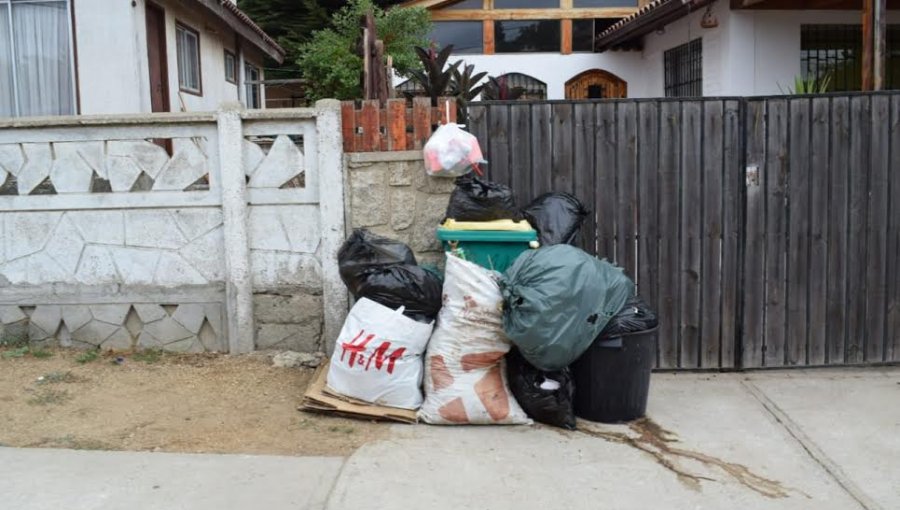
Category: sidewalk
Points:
column 799, row 439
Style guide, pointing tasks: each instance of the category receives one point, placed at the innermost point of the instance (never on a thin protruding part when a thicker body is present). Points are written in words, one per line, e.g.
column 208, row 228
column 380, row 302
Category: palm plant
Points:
column 465, row 87
column 497, row 89
column 433, row 78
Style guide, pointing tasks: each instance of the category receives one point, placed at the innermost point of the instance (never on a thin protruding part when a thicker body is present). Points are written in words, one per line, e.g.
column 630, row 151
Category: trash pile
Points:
column 522, row 325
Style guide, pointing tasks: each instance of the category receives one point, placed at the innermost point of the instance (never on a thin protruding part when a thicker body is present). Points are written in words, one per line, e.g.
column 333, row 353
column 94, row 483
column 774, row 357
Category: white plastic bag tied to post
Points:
column 451, row 152
column 465, row 370
column 378, row 356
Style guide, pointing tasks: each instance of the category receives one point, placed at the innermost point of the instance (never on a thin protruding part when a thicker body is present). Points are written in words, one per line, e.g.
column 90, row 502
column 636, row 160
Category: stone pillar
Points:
column 238, row 283
column 331, row 210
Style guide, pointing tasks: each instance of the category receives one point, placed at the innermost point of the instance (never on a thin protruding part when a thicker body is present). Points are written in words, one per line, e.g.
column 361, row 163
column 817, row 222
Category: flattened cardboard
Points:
column 320, row 399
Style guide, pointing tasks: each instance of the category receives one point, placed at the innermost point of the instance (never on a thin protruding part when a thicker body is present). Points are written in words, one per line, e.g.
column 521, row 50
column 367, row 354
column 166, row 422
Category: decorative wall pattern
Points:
column 274, row 164
column 190, row 327
column 103, row 166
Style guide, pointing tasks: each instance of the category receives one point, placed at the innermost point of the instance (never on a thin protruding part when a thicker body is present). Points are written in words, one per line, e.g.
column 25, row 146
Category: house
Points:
column 64, row 57
column 579, row 49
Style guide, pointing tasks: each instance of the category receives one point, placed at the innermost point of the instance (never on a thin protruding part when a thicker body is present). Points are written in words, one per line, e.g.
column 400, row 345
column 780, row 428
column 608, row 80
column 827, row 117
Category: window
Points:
column 36, row 66
column 585, row 32
column 230, row 67
column 526, row 4
column 578, row 4
column 526, row 36
column 466, row 4
column 251, row 80
column 684, row 70
column 465, row 36
column 533, row 88
column 187, row 45
column 834, row 51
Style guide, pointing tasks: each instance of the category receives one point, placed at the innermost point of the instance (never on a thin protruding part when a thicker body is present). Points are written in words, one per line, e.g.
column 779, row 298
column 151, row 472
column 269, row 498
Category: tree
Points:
column 329, row 60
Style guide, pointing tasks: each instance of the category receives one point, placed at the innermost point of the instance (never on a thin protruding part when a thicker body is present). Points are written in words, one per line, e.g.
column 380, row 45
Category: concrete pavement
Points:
column 800, row 439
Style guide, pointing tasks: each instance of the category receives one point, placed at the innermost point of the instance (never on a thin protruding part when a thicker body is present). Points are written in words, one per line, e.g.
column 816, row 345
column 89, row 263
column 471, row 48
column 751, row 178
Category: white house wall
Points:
column 113, row 71
column 749, row 53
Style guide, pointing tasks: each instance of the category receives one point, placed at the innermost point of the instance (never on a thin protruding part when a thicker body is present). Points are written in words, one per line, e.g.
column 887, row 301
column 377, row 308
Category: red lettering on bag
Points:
column 355, row 348
column 379, row 357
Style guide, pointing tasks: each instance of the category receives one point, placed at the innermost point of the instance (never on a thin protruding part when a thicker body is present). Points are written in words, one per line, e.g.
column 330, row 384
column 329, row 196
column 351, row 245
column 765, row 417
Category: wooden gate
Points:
column 763, row 230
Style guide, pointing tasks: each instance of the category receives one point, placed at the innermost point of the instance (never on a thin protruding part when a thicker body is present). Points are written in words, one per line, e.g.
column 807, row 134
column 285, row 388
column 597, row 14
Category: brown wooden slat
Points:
column 752, row 338
column 605, row 178
column 689, row 246
column 669, row 168
column 711, row 235
column 383, row 130
column 818, row 232
column 626, row 187
column 368, row 119
column 838, row 209
column 584, row 172
column 892, row 347
column 520, row 151
column 876, row 231
column 421, row 121
column 541, row 148
column 648, row 205
column 562, row 134
column 798, row 233
column 733, row 179
column 776, row 177
column 348, row 126
column 860, row 138
column 499, row 140
column 396, row 124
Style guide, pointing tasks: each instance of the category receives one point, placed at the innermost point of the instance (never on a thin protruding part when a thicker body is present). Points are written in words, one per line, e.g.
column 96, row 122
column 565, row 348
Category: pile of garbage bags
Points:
column 476, row 346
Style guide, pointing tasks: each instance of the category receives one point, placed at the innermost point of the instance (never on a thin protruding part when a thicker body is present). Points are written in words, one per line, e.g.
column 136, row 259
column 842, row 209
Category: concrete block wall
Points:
column 390, row 194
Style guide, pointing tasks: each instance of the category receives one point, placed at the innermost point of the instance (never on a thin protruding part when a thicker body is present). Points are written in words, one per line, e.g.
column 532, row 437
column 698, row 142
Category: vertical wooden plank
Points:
column 754, row 274
column 669, row 165
column 348, row 125
column 498, row 139
column 798, row 232
column 775, row 177
column 584, row 172
column 691, row 219
column 648, row 202
column 626, row 186
column 371, row 128
column 421, row 121
column 541, row 148
column 396, row 124
column 838, row 209
column 566, row 37
column 562, row 135
column 860, row 138
column 520, row 151
column 488, row 36
column 478, row 121
column 605, row 178
column 876, row 231
column 711, row 234
column 733, row 182
column 383, row 129
column 892, row 349
column 818, row 232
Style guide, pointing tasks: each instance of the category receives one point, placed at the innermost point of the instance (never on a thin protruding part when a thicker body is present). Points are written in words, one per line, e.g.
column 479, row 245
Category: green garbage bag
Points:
column 557, row 299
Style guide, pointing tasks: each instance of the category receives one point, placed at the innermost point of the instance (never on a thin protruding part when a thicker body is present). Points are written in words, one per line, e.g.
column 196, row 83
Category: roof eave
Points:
column 238, row 21
column 643, row 23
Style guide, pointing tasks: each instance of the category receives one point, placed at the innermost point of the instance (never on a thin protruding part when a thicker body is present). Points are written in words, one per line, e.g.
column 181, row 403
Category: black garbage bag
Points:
column 634, row 316
column 556, row 216
column 412, row 287
column 364, row 250
column 476, row 199
column 546, row 397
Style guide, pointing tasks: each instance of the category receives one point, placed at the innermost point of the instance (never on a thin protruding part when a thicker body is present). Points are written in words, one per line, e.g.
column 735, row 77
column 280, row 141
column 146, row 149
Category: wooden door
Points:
column 156, row 59
column 596, row 84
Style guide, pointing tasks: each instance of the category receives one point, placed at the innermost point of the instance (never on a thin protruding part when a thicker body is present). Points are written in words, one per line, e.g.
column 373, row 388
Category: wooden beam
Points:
column 867, row 46
column 488, row 41
column 879, row 36
column 566, row 34
column 531, row 14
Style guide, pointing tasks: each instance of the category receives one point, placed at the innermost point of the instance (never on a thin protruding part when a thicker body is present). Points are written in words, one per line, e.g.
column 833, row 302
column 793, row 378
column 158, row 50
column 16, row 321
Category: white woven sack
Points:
column 378, row 356
column 465, row 369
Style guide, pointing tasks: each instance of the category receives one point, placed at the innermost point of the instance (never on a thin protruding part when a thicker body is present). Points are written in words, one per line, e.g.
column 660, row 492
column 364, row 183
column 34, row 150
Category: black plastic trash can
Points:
column 612, row 378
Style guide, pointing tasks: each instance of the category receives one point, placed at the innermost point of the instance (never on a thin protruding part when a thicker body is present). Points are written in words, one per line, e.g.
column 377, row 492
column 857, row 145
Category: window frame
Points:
column 248, row 85
column 559, row 37
column 682, row 68
column 179, row 25
column 234, row 66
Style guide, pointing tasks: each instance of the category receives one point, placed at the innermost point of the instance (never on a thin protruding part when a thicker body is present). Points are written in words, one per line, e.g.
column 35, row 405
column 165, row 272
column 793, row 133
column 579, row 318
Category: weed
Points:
column 86, row 357
column 59, row 378
column 346, row 429
column 15, row 353
column 49, row 397
column 41, row 353
column 14, row 340
column 148, row 355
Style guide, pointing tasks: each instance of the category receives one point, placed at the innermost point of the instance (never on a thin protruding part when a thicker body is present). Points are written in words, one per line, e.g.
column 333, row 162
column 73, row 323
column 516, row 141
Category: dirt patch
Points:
column 161, row 402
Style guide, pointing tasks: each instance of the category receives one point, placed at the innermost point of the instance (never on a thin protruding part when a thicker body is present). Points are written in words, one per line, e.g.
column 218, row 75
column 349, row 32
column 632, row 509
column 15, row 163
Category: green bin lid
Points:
column 502, row 236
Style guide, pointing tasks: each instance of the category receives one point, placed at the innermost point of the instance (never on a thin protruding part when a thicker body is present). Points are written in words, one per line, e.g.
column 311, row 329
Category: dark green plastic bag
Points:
column 557, row 300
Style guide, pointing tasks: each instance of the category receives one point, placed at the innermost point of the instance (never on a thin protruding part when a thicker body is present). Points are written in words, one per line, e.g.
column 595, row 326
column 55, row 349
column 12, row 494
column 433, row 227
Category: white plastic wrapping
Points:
column 451, row 152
